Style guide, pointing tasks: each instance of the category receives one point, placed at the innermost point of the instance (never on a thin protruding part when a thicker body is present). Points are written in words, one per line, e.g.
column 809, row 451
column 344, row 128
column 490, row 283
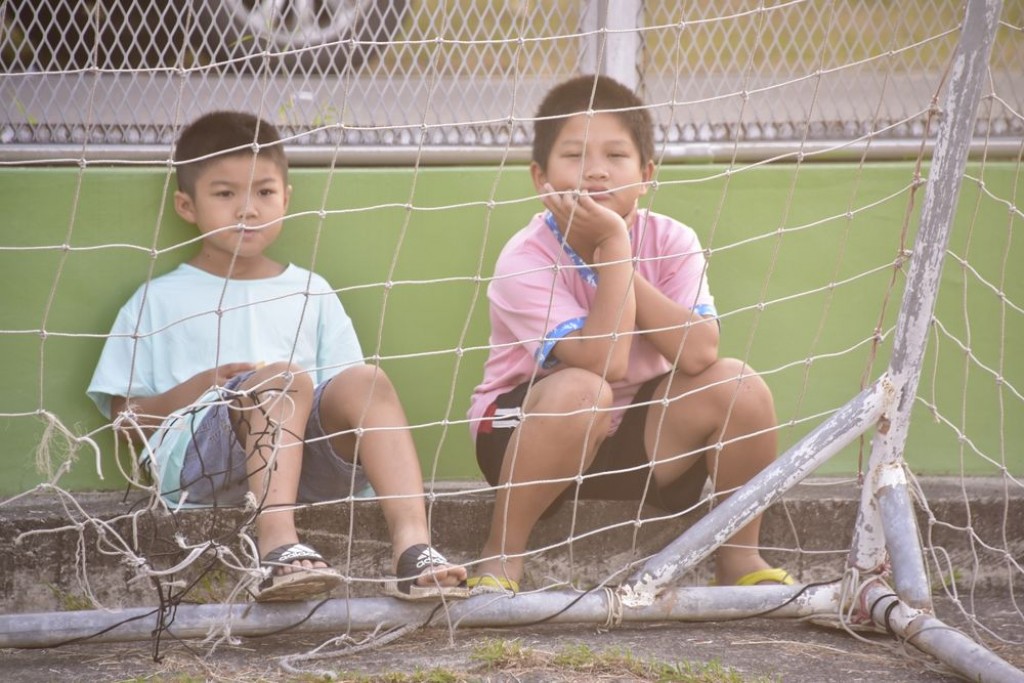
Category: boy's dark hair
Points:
column 224, row 132
column 598, row 93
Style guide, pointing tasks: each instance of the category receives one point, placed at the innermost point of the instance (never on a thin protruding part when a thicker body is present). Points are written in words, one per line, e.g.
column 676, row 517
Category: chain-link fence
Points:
column 459, row 80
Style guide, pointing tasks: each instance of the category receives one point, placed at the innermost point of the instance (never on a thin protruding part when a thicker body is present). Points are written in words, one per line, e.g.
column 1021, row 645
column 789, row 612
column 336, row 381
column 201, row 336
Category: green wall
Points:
column 780, row 234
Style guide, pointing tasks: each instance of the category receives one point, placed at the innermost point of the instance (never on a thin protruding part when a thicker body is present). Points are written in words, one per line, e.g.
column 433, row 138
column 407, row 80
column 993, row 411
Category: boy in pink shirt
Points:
column 604, row 347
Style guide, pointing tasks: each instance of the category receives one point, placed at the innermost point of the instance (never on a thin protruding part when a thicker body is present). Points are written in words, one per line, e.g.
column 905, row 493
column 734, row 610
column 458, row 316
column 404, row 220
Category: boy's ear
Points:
column 184, row 206
column 538, row 175
column 287, row 196
column 646, row 173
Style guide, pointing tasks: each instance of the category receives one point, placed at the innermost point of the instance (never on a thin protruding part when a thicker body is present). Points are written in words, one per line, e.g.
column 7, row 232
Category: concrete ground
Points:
column 64, row 552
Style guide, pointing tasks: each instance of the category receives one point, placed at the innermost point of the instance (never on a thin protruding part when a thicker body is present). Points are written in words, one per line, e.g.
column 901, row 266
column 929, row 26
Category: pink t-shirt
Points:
column 542, row 291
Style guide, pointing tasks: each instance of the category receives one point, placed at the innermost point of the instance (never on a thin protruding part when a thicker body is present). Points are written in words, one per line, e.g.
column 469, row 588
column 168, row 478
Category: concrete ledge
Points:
column 61, row 552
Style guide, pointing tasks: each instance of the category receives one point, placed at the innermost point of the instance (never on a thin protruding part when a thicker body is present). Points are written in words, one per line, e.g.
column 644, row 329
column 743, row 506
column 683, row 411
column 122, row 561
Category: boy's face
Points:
column 238, row 205
column 601, row 159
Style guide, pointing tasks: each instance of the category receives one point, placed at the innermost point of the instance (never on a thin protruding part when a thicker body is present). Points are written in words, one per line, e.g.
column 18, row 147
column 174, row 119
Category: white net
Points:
column 807, row 262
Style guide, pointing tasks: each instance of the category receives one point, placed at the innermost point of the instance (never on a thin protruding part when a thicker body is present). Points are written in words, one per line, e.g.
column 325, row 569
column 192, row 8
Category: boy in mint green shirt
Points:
column 240, row 376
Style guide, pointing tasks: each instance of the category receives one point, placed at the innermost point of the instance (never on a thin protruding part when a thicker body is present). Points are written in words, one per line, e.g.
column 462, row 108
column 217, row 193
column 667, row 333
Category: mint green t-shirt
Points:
column 189, row 321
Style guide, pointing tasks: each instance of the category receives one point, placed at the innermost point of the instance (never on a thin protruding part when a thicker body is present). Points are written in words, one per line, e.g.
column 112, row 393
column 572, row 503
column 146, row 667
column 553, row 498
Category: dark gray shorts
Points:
column 214, row 472
column 620, row 468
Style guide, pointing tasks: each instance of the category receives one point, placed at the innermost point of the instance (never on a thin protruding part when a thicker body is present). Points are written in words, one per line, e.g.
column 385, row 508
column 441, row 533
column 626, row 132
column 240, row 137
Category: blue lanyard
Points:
column 588, row 274
column 585, row 271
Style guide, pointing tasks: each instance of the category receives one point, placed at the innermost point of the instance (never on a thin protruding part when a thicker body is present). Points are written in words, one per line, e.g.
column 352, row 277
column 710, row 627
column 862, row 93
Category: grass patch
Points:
column 70, row 602
column 428, row 676
column 212, row 587
column 580, row 662
column 509, row 660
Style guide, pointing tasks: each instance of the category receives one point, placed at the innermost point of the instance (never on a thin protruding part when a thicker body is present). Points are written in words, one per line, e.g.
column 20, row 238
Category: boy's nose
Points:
column 597, row 172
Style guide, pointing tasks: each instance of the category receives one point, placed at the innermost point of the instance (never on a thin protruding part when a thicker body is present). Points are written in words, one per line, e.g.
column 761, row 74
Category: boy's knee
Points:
column 750, row 393
column 281, row 376
column 729, row 386
column 362, row 381
column 578, row 402
column 752, row 384
column 728, row 372
column 367, row 374
column 574, row 391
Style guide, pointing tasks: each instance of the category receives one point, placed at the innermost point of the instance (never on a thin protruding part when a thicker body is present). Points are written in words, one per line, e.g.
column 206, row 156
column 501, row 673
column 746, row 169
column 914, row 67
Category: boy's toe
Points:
column 424, row 573
column 444, row 575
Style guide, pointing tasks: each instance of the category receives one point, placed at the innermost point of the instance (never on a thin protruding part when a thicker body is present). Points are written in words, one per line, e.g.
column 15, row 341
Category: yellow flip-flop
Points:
column 491, row 584
column 775, row 575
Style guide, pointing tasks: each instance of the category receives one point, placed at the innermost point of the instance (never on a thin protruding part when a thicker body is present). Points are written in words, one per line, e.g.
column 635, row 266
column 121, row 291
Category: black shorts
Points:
column 619, row 470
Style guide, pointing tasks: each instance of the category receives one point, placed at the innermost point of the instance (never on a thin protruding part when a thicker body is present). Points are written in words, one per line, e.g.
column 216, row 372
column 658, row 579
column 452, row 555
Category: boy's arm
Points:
column 151, row 411
column 602, row 345
column 684, row 337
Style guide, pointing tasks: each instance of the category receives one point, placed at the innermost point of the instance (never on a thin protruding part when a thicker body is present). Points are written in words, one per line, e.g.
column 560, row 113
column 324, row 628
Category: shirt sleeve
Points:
column 531, row 298
column 125, row 362
column 338, row 345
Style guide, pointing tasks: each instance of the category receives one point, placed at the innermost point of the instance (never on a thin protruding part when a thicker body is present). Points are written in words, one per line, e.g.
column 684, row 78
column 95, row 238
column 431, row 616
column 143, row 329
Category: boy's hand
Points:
column 590, row 224
column 153, row 409
column 222, row 373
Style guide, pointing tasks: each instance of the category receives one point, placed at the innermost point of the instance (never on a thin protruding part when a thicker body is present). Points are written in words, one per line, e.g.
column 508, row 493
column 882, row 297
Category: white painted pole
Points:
column 930, row 634
column 611, row 42
column 599, row 607
column 886, row 498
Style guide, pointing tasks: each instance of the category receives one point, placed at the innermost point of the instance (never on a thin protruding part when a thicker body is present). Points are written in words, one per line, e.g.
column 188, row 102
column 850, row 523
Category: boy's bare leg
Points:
column 554, row 441
column 364, row 397
column 729, row 402
column 275, row 416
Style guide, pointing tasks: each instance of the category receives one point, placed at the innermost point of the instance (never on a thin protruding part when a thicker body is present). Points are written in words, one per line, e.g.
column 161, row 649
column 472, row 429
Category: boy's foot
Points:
column 419, row 561
column 303, row 583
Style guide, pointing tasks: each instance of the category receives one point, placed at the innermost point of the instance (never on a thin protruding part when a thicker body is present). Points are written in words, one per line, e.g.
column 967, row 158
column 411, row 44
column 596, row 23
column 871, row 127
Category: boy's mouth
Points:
column 248, row 233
